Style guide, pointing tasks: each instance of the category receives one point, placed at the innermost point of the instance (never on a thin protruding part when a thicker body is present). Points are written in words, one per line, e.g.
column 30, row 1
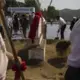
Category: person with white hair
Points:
column 73, row 22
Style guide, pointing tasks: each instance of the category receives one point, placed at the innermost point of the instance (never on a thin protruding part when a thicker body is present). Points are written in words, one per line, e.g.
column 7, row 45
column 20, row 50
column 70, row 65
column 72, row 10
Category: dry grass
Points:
column 46, row 71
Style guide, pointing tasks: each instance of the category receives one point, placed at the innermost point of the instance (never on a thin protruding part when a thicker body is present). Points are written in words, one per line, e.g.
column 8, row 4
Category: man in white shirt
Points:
column 73, row 71
column 62, row 26
column 9, row 23
column 4, row 54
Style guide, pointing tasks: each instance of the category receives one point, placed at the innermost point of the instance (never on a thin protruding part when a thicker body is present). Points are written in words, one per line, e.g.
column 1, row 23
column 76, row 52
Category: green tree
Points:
column 32, row 3
column 56, row 13
column 20, row 4
column 45, row 13
column 52, row 12
column 12, row 3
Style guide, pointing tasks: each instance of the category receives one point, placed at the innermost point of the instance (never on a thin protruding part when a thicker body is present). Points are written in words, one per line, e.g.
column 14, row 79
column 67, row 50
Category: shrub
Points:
column 62, row 46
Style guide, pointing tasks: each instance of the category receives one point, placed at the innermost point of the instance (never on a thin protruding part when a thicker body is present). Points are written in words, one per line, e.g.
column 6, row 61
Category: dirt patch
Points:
column 38, row 70
column 57, row 62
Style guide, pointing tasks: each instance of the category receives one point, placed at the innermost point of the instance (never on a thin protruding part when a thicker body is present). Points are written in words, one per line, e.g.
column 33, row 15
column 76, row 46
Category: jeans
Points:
column 62, row 31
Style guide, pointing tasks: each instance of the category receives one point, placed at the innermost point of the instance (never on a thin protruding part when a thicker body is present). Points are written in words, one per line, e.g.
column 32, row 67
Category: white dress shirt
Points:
column 74, row 57
column 61, row 22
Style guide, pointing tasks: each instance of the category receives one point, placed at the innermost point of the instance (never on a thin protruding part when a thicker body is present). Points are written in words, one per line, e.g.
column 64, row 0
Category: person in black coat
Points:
column 75, row 19
column 15, row 24
column 24, row 24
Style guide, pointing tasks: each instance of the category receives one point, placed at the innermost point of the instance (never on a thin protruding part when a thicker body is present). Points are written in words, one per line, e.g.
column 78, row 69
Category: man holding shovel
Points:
column 5, row 56
column 62, row 26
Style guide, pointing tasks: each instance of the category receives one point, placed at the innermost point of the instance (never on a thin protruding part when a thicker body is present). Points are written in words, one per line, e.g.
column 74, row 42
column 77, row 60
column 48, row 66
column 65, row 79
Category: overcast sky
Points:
column 61, row 4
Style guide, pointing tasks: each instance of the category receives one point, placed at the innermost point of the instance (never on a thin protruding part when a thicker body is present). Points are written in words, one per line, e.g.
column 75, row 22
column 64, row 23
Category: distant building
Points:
column 28, row 10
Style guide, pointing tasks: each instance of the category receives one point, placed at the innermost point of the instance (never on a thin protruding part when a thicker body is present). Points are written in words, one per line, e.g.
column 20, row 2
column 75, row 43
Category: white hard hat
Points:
column 74, row 17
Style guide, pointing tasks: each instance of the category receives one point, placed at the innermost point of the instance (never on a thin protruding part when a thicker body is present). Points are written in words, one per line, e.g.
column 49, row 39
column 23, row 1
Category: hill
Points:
column 68, row 14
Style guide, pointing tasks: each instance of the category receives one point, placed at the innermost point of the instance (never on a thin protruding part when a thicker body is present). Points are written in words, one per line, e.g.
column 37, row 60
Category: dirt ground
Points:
column 52, row 68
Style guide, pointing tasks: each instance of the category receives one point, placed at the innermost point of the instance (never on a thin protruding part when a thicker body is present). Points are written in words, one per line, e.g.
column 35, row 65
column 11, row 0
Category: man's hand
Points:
column 11, row 57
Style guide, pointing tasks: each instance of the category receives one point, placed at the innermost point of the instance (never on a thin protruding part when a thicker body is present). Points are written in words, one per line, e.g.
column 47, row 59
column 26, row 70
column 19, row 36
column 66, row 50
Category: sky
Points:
column 60, row 4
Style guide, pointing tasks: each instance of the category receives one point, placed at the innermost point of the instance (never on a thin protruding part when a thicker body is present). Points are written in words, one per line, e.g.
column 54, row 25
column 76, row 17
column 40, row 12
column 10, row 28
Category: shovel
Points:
column 56, row 38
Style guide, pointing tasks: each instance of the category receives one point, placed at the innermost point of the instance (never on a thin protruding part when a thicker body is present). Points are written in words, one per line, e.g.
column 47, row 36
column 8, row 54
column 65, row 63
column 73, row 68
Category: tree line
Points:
column 50, row 13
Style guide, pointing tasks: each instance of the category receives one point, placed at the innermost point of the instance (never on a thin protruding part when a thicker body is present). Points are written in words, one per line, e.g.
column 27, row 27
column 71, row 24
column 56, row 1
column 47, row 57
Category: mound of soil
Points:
column 57, row 62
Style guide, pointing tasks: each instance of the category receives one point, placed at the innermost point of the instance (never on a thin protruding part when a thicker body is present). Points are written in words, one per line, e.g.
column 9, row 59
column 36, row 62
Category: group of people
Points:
column 62, row 25
column 5, row 56
column 23, row 22
column 73, row 71
column 17, row 22
column 73, row 61
column 35, row 31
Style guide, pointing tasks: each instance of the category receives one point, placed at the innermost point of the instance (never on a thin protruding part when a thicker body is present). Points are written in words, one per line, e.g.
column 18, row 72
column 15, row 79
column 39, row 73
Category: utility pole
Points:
column 50, row 2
